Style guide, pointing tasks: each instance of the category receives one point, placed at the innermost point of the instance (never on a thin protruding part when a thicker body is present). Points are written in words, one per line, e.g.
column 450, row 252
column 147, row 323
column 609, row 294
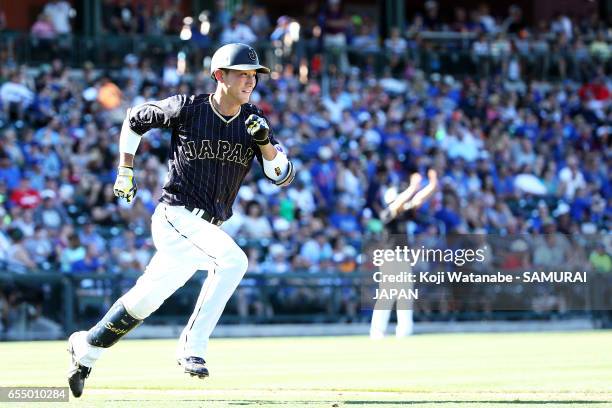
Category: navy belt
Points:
column 203, row 214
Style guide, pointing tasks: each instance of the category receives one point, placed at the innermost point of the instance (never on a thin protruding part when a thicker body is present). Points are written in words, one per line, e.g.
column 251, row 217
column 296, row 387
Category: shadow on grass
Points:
column 533, row 402
column 239, row 402
column 398, row 402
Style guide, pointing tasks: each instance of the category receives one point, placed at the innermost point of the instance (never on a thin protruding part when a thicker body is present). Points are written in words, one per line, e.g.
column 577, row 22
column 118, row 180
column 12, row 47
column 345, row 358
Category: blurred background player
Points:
column 399, row 210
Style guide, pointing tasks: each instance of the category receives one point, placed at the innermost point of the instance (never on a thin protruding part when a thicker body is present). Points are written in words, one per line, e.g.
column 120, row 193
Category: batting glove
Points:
column 258, row 128
column 125, row 185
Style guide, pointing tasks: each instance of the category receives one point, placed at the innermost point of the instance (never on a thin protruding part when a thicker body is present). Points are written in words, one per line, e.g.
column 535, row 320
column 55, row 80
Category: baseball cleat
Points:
column 77, row 373
column 194, row 366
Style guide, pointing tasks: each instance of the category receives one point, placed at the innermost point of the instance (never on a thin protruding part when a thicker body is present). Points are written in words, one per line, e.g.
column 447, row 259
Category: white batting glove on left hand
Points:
column 125, row 185
column 259, row 129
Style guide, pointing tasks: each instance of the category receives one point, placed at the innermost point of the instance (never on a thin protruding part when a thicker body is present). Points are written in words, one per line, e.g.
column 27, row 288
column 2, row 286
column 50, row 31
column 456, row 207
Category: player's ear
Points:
column 219, row 75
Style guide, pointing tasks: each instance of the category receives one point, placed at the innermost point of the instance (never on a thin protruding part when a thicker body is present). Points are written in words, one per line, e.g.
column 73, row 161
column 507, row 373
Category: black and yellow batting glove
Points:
column 125, row 185
column 259, row 129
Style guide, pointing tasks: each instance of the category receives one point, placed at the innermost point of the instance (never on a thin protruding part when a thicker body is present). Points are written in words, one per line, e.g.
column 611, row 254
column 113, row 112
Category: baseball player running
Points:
column 214, row 140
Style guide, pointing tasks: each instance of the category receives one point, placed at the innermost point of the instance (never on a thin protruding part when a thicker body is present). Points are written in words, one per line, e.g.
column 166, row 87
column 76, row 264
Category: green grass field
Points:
column 464, row 370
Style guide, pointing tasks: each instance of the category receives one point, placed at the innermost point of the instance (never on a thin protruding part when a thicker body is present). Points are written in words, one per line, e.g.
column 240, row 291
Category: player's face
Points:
column 240, row 84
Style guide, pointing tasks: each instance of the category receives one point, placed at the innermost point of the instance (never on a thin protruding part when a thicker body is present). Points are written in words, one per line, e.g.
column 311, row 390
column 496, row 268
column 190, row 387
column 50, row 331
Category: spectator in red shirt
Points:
column 25, row 196
column 596, row 90
column 596, row 96
column 518, row 257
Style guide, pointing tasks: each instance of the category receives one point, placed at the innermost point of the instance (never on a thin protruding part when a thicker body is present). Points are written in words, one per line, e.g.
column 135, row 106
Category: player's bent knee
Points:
column 141, row 307
column 116, row 323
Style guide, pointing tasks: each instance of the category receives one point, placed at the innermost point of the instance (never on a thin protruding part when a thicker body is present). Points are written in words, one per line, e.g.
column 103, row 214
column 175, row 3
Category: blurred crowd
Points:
column 330, row 37
column 516, row 154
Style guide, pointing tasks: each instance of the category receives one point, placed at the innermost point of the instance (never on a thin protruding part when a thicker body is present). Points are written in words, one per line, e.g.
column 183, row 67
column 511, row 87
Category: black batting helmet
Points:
column 237, row 56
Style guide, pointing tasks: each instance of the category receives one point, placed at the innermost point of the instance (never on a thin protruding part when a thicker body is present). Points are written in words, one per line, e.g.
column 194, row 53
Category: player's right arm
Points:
column 139, row 120
column 276, row 165
column 423, row 195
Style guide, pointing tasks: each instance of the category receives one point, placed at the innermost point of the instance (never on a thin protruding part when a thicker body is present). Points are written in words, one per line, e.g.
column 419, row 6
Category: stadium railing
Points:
column 441, row 52
column 79, row 300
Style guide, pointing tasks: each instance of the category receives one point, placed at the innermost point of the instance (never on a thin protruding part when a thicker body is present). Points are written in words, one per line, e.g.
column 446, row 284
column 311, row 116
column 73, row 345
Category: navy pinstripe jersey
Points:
column 210, row 154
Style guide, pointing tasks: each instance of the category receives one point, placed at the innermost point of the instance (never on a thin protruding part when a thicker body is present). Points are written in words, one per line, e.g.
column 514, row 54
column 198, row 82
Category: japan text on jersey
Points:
column 210, row 153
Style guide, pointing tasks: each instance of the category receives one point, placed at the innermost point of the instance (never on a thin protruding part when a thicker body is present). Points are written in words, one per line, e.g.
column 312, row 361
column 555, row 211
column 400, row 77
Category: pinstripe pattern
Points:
column 200, row 174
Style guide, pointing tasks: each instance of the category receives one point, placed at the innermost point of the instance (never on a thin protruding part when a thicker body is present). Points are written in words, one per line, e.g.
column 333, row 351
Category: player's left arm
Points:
column 276, row 165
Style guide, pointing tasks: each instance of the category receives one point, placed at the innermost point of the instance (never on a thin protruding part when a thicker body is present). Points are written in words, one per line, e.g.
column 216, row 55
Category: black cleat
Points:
column 194, row 366
column 77, row 373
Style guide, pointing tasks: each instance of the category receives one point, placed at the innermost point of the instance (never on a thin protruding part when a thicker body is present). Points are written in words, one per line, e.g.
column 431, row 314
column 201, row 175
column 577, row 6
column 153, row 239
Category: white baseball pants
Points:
column 185, row 243
column 383, row 307
column 380, row 321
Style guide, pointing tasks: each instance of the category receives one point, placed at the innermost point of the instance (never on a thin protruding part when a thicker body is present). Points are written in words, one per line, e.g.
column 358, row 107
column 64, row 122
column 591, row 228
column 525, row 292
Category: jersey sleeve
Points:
column 156, row 114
